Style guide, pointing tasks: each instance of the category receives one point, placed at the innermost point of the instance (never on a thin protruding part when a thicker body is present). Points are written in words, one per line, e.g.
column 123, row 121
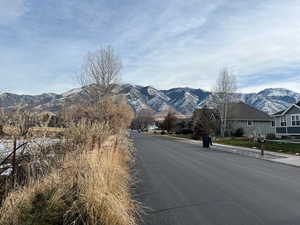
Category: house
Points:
column 287, row 122
column 251, row 120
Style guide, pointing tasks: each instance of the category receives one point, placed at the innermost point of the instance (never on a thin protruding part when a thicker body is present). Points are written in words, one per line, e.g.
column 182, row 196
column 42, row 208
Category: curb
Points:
column 239, row 150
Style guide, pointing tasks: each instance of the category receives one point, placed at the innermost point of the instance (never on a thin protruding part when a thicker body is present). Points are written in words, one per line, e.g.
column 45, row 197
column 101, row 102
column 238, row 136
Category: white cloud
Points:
column 250, row 40
column 162, row 43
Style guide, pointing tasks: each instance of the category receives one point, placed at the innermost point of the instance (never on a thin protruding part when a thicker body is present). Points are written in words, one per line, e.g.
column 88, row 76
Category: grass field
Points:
column 280, row 147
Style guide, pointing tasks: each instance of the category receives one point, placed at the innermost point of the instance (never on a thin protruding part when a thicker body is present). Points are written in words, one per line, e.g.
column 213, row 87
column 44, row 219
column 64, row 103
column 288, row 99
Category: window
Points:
column 250, row 123
column 273, row 123
column 296, row 120
column 283, row 121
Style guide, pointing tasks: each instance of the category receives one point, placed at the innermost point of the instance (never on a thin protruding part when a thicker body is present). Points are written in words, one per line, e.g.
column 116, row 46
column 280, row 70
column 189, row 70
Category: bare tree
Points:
column 224, row 94
column 143, row 119
column 169, row 122
column 100, row 73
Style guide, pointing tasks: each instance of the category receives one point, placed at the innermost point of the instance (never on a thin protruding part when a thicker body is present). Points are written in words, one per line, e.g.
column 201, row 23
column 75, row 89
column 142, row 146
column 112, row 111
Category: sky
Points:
column 162, row 43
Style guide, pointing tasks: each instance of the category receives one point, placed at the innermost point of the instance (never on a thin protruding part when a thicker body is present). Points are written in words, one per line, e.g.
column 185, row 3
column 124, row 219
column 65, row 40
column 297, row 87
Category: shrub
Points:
column 271, row 136
column 239, row 132
column 117, row 114
column 228, row 133
column 186, row 131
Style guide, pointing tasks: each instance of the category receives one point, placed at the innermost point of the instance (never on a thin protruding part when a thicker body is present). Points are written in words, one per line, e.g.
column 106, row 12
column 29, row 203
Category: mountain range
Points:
column 181, row 100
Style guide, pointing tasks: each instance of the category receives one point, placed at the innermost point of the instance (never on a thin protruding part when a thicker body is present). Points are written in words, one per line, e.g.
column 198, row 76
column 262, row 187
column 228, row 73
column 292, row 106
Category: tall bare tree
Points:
column 100, row 73
column 224, row 94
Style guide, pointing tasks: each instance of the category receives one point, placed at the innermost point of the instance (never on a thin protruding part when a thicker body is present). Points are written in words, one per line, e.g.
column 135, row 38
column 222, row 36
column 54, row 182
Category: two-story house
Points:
column 287, row 122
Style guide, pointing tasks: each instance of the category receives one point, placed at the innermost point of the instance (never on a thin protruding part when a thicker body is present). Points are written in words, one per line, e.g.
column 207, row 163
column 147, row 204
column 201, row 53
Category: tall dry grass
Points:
column 91, row 186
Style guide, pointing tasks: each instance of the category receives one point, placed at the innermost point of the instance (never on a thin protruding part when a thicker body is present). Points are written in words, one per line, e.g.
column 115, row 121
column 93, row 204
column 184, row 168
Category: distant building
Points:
column 251, row 120
column 152, row 126
column 287, row 122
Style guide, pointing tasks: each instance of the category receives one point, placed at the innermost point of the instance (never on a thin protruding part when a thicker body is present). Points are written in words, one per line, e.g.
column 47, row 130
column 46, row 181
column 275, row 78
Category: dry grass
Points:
column 86, row 133
column 114, row 112
column 89, row 181
column 46, row 131
column 92, row 187
column 10, row 130
column 35, row 131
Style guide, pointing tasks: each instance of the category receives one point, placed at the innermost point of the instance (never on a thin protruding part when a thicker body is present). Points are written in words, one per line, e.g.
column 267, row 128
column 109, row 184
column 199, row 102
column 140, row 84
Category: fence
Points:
column 5, row 165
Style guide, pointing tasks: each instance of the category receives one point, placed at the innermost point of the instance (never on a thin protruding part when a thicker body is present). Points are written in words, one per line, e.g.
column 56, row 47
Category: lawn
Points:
column 281, row 147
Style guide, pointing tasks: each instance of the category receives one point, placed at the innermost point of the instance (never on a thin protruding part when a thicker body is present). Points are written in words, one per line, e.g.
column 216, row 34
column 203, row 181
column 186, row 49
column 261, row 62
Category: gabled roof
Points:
column 281, row 113
column 210, row 113
column 242, row 111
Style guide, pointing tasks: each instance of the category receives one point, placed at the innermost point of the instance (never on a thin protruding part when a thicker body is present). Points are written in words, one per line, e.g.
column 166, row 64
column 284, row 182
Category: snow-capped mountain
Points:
column 271, row 100
column 181, row 100
column 185, row 100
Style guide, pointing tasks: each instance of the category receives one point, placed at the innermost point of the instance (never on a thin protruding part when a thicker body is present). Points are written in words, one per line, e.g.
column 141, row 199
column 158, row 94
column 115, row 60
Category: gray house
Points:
column 287, row 122
column 251, row 120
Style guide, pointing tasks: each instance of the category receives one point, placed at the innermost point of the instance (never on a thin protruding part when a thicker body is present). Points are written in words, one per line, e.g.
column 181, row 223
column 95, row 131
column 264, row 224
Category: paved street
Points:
column 182, row 183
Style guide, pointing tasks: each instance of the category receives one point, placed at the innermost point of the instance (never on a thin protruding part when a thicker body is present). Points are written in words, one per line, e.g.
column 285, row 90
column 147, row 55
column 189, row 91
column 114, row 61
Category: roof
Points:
column 278, row 113
column 208, row 112
column 242, row 111
column 283, row 112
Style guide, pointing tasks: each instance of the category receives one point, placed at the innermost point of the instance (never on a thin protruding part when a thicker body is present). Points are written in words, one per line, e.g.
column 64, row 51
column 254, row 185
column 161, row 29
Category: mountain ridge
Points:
column 183, row 100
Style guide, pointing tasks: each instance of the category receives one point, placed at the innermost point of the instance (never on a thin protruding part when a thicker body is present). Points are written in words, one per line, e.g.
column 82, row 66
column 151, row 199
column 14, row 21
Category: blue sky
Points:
column 163, row 43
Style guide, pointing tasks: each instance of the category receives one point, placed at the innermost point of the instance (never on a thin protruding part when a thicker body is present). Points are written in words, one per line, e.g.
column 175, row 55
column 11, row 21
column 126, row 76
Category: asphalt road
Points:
column 183, row 184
